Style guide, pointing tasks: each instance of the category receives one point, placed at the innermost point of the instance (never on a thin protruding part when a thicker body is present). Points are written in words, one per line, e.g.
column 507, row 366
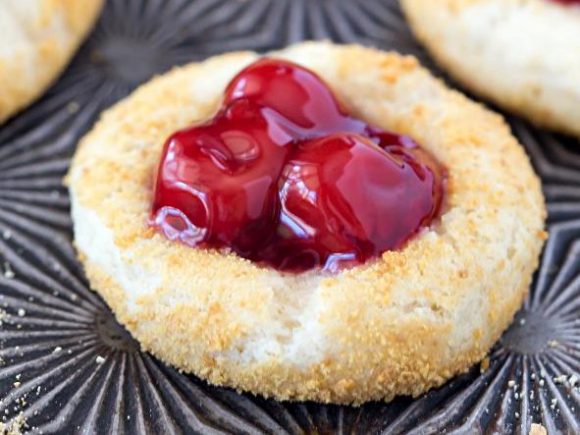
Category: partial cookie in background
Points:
column 524, row 55
column 38, row 39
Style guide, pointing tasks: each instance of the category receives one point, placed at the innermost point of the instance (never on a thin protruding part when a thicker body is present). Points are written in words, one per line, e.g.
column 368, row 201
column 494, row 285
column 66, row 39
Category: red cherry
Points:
column 345, row 200
column 222, row 176
column 295, row 92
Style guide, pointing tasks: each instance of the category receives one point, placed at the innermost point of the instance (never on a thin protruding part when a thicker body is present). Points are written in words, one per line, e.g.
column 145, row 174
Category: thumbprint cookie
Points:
column 325, row 222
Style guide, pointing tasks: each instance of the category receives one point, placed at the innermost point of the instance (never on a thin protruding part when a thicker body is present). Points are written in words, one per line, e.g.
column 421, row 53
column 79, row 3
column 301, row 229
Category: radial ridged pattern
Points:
column 66, row 366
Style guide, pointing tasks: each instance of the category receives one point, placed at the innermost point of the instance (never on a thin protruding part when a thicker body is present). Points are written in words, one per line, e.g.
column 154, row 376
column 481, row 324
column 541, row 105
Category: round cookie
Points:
column 520, row 54
column 400, row 324
column 39, row 37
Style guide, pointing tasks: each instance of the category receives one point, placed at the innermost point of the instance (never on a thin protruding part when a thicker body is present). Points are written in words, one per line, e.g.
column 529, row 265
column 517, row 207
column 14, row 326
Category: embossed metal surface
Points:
column 66, row 366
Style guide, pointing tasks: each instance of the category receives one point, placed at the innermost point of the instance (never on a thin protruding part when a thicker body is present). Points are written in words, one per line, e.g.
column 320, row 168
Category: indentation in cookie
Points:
column 283, row 176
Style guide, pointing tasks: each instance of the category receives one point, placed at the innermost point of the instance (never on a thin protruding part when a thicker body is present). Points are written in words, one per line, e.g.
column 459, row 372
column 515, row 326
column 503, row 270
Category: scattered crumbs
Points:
column 7, row 234
column 511, row 383
column 30, row 299
column 517, row 415
column 21, row 312
column 57, row 349
column 74, row 297
column 553, row 343
column 99, row 359
column 18, row 376
column 522, row 321
column 573, row 380
column 553, row 403
column 533, row 376
column 516, row 395
column 72, row 107
column 17, row 384
column 532, row 395
column 38, row 390
column 14, row 427
column 538, row 429
column 542, row 382
column 560, row 379
column 3, row 316
column 8, row 272
column 69, row 351
column 128, row 417
column 484, row 365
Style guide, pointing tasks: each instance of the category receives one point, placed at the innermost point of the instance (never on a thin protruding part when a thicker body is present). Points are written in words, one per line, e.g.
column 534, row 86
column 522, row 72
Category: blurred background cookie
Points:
column 523, row 55
column 39, row 37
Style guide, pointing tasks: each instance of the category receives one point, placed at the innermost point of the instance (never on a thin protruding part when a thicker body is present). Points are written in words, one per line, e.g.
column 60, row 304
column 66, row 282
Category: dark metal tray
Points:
column 54, row 328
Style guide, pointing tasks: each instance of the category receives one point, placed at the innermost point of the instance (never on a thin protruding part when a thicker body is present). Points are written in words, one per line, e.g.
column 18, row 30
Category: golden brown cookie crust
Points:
column 49, row 32
column 520, row 54
column 398, row 325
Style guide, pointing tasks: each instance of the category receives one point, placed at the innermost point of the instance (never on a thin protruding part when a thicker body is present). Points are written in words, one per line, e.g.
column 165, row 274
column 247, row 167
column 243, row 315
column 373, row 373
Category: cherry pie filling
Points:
column 284, row 177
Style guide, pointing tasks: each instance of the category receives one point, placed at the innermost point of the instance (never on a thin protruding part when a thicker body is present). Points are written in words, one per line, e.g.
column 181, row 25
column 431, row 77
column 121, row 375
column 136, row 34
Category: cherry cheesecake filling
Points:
column 284, row 177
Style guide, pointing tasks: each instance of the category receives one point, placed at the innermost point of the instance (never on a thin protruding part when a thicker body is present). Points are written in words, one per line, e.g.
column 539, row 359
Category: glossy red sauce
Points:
column 284, row 177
